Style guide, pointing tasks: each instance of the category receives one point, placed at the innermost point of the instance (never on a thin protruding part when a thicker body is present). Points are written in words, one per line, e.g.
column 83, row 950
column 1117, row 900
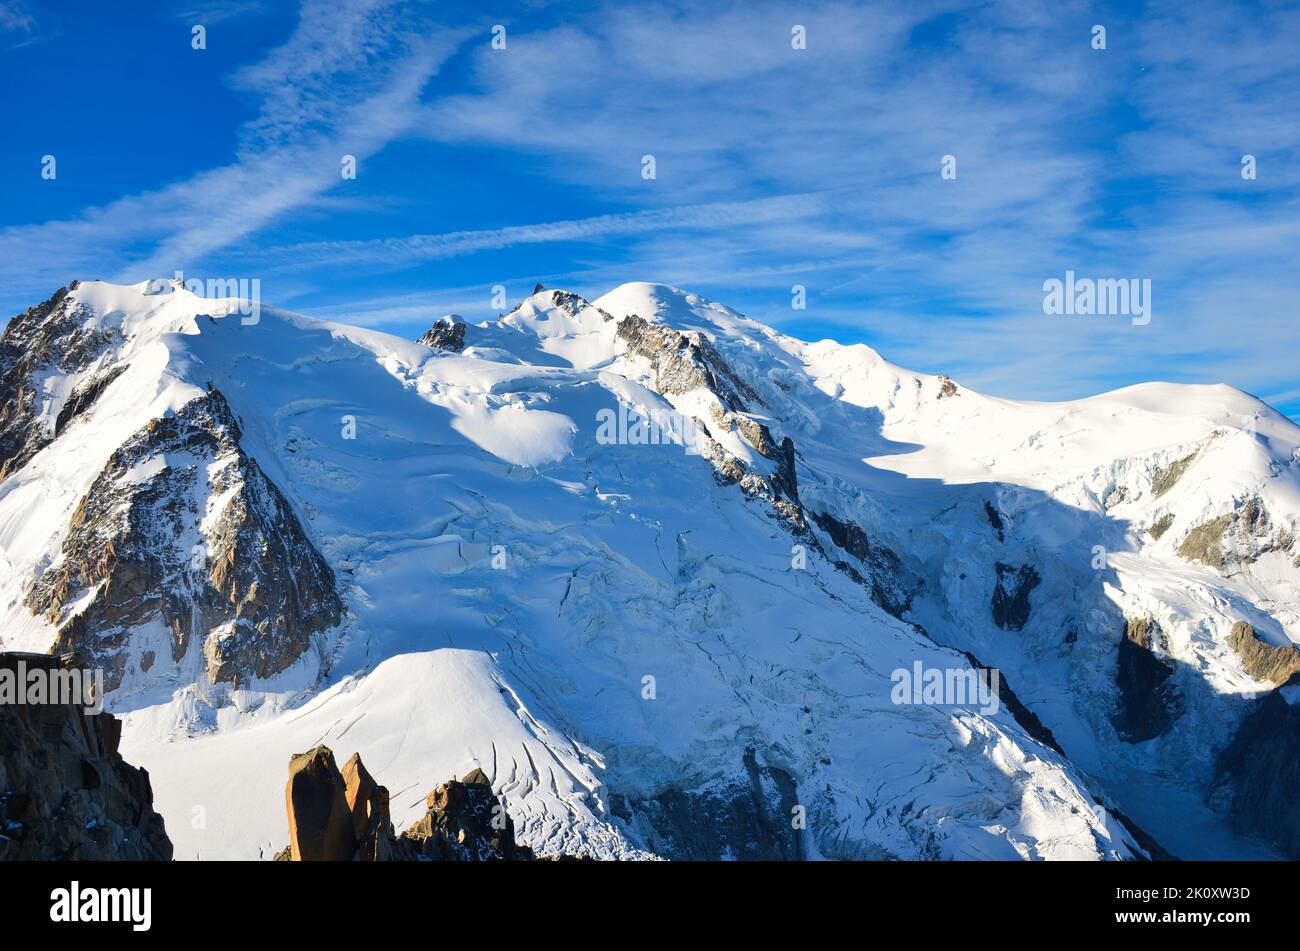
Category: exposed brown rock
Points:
column 1165, row 479
column 1262, row 660
column 368, row 804
column 65, row 791
column 253, row 593
column 465, row 823
column 52, row 336
column 342, row 817
column 320, row 823
column 1235, row 538
column 1161, row 525
column 684, row 361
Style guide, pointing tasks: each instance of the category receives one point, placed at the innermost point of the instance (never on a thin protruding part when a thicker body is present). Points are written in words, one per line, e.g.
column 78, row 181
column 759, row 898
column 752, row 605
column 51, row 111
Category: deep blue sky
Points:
column 775, row 167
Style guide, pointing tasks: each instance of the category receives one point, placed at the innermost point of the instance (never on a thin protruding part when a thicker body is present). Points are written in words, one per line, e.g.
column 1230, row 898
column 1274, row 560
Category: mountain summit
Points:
column 677, row 584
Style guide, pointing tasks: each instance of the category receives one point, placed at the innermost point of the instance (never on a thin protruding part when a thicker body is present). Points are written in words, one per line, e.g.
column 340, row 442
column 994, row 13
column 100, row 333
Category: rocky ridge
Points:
column 343, row 817
column 65, row 791
column 183, row 528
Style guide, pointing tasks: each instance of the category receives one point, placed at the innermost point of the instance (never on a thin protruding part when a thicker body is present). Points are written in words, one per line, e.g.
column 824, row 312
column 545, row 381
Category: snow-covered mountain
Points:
column 654, row 568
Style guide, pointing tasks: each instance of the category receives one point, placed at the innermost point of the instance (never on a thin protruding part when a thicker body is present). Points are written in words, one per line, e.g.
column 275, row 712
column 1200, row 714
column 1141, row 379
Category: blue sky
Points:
column 774, row 167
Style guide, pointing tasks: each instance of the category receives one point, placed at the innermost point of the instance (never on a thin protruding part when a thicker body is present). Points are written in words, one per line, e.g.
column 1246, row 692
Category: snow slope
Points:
column 630, row 645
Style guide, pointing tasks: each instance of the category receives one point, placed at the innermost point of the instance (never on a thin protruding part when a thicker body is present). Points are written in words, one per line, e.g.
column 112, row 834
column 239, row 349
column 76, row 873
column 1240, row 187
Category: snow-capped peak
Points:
column 640, row 552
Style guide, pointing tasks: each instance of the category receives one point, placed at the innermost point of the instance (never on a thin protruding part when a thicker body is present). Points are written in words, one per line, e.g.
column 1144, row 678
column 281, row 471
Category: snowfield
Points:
column 630, row 646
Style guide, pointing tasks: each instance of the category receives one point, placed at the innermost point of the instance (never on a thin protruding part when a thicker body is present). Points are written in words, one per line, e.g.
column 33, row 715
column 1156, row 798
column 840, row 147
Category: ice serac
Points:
column 66, row 794
column 182, row 527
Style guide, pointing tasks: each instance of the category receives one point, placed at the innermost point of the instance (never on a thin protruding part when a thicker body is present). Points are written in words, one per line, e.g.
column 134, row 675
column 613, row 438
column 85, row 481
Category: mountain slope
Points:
column 677, row 645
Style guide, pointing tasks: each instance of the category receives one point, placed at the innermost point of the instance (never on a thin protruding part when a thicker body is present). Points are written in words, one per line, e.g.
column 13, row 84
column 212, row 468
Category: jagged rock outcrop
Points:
column 747, row 818
column 1010, row 605
column 1235, row 539
column 1262, row 660
column 1149, row 702
column 65, row 791
column 891, row 587
column 368, row 804
column 182, row 526
column 1164, row 479
column 320, row 822
column 344, row 816
column 683, row 361
column 465, row 822
column 447, row 333
column 1161, row 525
column 50, row 337
column 1258, row 773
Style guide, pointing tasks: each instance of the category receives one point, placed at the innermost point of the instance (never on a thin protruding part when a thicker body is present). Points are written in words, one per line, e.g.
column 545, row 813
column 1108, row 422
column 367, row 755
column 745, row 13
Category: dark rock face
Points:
column 1154, row 850
column 50, row 337
column 252, row 588
column 1258, row 773
column 891, row 587
column 1263, row 661
column 747, row 818
column 1011, row 595
column 448, row 333
column 999, row 527
column 1148, row 702
column 342, row 817
column 65, row 791
column 1027, row 719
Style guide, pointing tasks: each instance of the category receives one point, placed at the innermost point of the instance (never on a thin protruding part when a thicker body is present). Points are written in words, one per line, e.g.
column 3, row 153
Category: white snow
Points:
column 626, row 561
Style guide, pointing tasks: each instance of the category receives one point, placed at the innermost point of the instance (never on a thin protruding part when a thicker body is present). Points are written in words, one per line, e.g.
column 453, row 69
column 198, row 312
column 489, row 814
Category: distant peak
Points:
column 447, row 333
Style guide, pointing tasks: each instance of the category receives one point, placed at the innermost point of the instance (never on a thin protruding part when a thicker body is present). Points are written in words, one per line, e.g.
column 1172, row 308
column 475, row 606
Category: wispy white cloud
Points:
column 16, row 17
column 347, row 81
column 406, row 251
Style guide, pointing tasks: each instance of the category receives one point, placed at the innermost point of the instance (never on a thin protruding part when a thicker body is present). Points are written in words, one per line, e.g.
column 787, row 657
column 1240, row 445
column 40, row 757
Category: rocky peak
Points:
column 683, row 361
column 447, row 333
column 344, row 816
column 182, row 526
